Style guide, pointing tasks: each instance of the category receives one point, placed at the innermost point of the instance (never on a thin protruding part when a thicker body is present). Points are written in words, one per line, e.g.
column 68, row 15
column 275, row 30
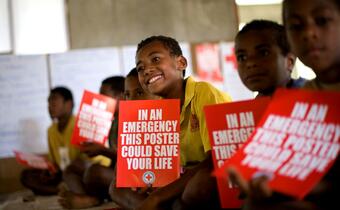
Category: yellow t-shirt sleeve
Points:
column 208, row 95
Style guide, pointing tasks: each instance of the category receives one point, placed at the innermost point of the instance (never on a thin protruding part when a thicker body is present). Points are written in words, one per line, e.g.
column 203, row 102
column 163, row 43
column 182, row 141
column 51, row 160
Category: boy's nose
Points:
column 310, row 32
column 251, row 62
column 148, row 70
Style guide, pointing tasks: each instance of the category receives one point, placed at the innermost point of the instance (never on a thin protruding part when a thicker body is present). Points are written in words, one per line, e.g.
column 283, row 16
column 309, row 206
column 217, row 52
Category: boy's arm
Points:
column 125, row 197
column 173, row 190
column 94, row 149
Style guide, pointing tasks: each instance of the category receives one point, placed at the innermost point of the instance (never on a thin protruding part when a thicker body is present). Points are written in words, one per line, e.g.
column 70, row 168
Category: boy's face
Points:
column 106, row 90
column 313, row 31
column 134, row 91
column 57, row 106
column 158, row 71
column 261, row 65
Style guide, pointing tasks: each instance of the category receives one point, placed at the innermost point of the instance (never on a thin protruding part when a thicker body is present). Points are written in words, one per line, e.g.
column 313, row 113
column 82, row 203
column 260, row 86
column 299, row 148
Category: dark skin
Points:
column 129, row 198
column 313, row 31
column 262, row 66
column 161, row 73
column 82, row 175
column 43, row 181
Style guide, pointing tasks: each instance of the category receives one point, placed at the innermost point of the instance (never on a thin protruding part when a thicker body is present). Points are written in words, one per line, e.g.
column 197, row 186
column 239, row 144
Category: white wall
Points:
column 5, row 41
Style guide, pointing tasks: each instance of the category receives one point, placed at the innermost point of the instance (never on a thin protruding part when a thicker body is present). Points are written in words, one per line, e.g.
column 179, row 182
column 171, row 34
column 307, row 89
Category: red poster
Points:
column 94, row 118
column 148, row 143
column 229, row 126
column 296, row 142
column 208, row 62
column 34, row 161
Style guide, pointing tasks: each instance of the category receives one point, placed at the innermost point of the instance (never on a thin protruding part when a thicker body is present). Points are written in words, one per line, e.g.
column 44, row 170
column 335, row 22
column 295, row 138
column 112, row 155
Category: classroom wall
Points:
column 267, row 12
column 116, row 22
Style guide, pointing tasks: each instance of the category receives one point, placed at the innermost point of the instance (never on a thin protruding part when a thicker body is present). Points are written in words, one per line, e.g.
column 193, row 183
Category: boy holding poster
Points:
column 264, row 58
column 161, row 65
column 313, row 31
column 61, row 152
column 229, row 126
column 87, row 181
column 129, row 198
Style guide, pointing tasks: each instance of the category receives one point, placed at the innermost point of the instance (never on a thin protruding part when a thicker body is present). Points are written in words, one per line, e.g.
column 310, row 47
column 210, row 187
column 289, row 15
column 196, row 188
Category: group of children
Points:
column 265, row 52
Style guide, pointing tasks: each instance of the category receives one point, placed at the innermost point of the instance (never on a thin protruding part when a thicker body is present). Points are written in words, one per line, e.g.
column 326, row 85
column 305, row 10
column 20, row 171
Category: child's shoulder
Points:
column 205, row 90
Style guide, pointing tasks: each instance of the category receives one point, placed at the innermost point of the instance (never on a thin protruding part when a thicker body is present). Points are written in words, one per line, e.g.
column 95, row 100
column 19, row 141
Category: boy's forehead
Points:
column 292, row 7
column 55, row 96
column 152, row 47
column 256, row 37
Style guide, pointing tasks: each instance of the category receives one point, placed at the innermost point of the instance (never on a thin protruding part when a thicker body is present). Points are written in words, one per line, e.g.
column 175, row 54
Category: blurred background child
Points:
column 264, row 59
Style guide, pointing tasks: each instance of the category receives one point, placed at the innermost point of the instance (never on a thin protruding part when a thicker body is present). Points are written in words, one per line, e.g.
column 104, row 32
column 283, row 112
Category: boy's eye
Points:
column 294, row 25
column 156, row 59
column 241, row 57
column 140, row 68
column 264, row 52
column 321, row 21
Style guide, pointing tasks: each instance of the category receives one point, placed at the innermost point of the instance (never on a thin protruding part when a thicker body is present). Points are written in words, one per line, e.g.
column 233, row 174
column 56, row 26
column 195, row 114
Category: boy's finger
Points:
column 259, row 188
column 236, row 178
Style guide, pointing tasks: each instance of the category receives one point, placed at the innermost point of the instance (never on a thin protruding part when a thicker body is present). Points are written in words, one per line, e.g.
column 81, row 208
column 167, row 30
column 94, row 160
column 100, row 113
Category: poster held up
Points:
column 94, row 119
column 295, row 143
column 229, row 126
column 148, row 143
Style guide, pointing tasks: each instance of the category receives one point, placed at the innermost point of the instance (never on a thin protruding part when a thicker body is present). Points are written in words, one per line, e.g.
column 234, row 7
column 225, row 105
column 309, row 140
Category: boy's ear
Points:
column 181, row 63
column 290, row 61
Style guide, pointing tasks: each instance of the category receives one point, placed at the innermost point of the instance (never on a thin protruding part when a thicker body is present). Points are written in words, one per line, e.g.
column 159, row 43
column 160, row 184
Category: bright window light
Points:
column 39, row 26
column 304, row 71
column 257, row 2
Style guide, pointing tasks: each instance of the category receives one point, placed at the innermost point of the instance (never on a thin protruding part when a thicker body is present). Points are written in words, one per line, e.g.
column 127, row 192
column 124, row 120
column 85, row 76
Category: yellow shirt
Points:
column 194, row 138
column 57, row 140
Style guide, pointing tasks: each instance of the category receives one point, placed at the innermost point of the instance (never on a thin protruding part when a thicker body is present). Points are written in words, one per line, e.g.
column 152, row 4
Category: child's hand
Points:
column 151, row 202
column 143, row 190
column 256, row 189
column 92, row 149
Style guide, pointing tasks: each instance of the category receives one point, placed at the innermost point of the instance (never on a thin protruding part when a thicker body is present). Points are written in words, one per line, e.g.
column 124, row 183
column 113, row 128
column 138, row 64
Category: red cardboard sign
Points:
column 34, row 161
column 94, row 118
column 208, row 61
column 229, row 126
column 296, row 142
column 148, row 143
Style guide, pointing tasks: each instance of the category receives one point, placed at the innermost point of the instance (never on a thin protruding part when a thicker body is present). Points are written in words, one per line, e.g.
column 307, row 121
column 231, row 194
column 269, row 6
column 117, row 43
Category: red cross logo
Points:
column 148, row 177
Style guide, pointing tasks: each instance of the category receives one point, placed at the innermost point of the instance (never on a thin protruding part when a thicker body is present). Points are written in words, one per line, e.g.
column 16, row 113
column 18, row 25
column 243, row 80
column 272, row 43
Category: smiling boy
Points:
column 161, row 66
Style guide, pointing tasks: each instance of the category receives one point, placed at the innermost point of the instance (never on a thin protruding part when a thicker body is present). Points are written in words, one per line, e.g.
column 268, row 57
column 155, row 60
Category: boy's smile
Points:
column 155, row 78
column 158, row 70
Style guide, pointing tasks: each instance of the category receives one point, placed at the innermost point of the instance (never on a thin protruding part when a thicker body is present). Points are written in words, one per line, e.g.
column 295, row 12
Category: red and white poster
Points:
column 148, row 143
column 296, row 142
column 207, row 58
column 34, row 161
column 229, row 126
column 94, row 118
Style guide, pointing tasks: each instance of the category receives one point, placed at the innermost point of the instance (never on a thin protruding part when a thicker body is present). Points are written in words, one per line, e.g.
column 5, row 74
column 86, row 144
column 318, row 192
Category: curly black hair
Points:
column 278, row 32
column 170, row 43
